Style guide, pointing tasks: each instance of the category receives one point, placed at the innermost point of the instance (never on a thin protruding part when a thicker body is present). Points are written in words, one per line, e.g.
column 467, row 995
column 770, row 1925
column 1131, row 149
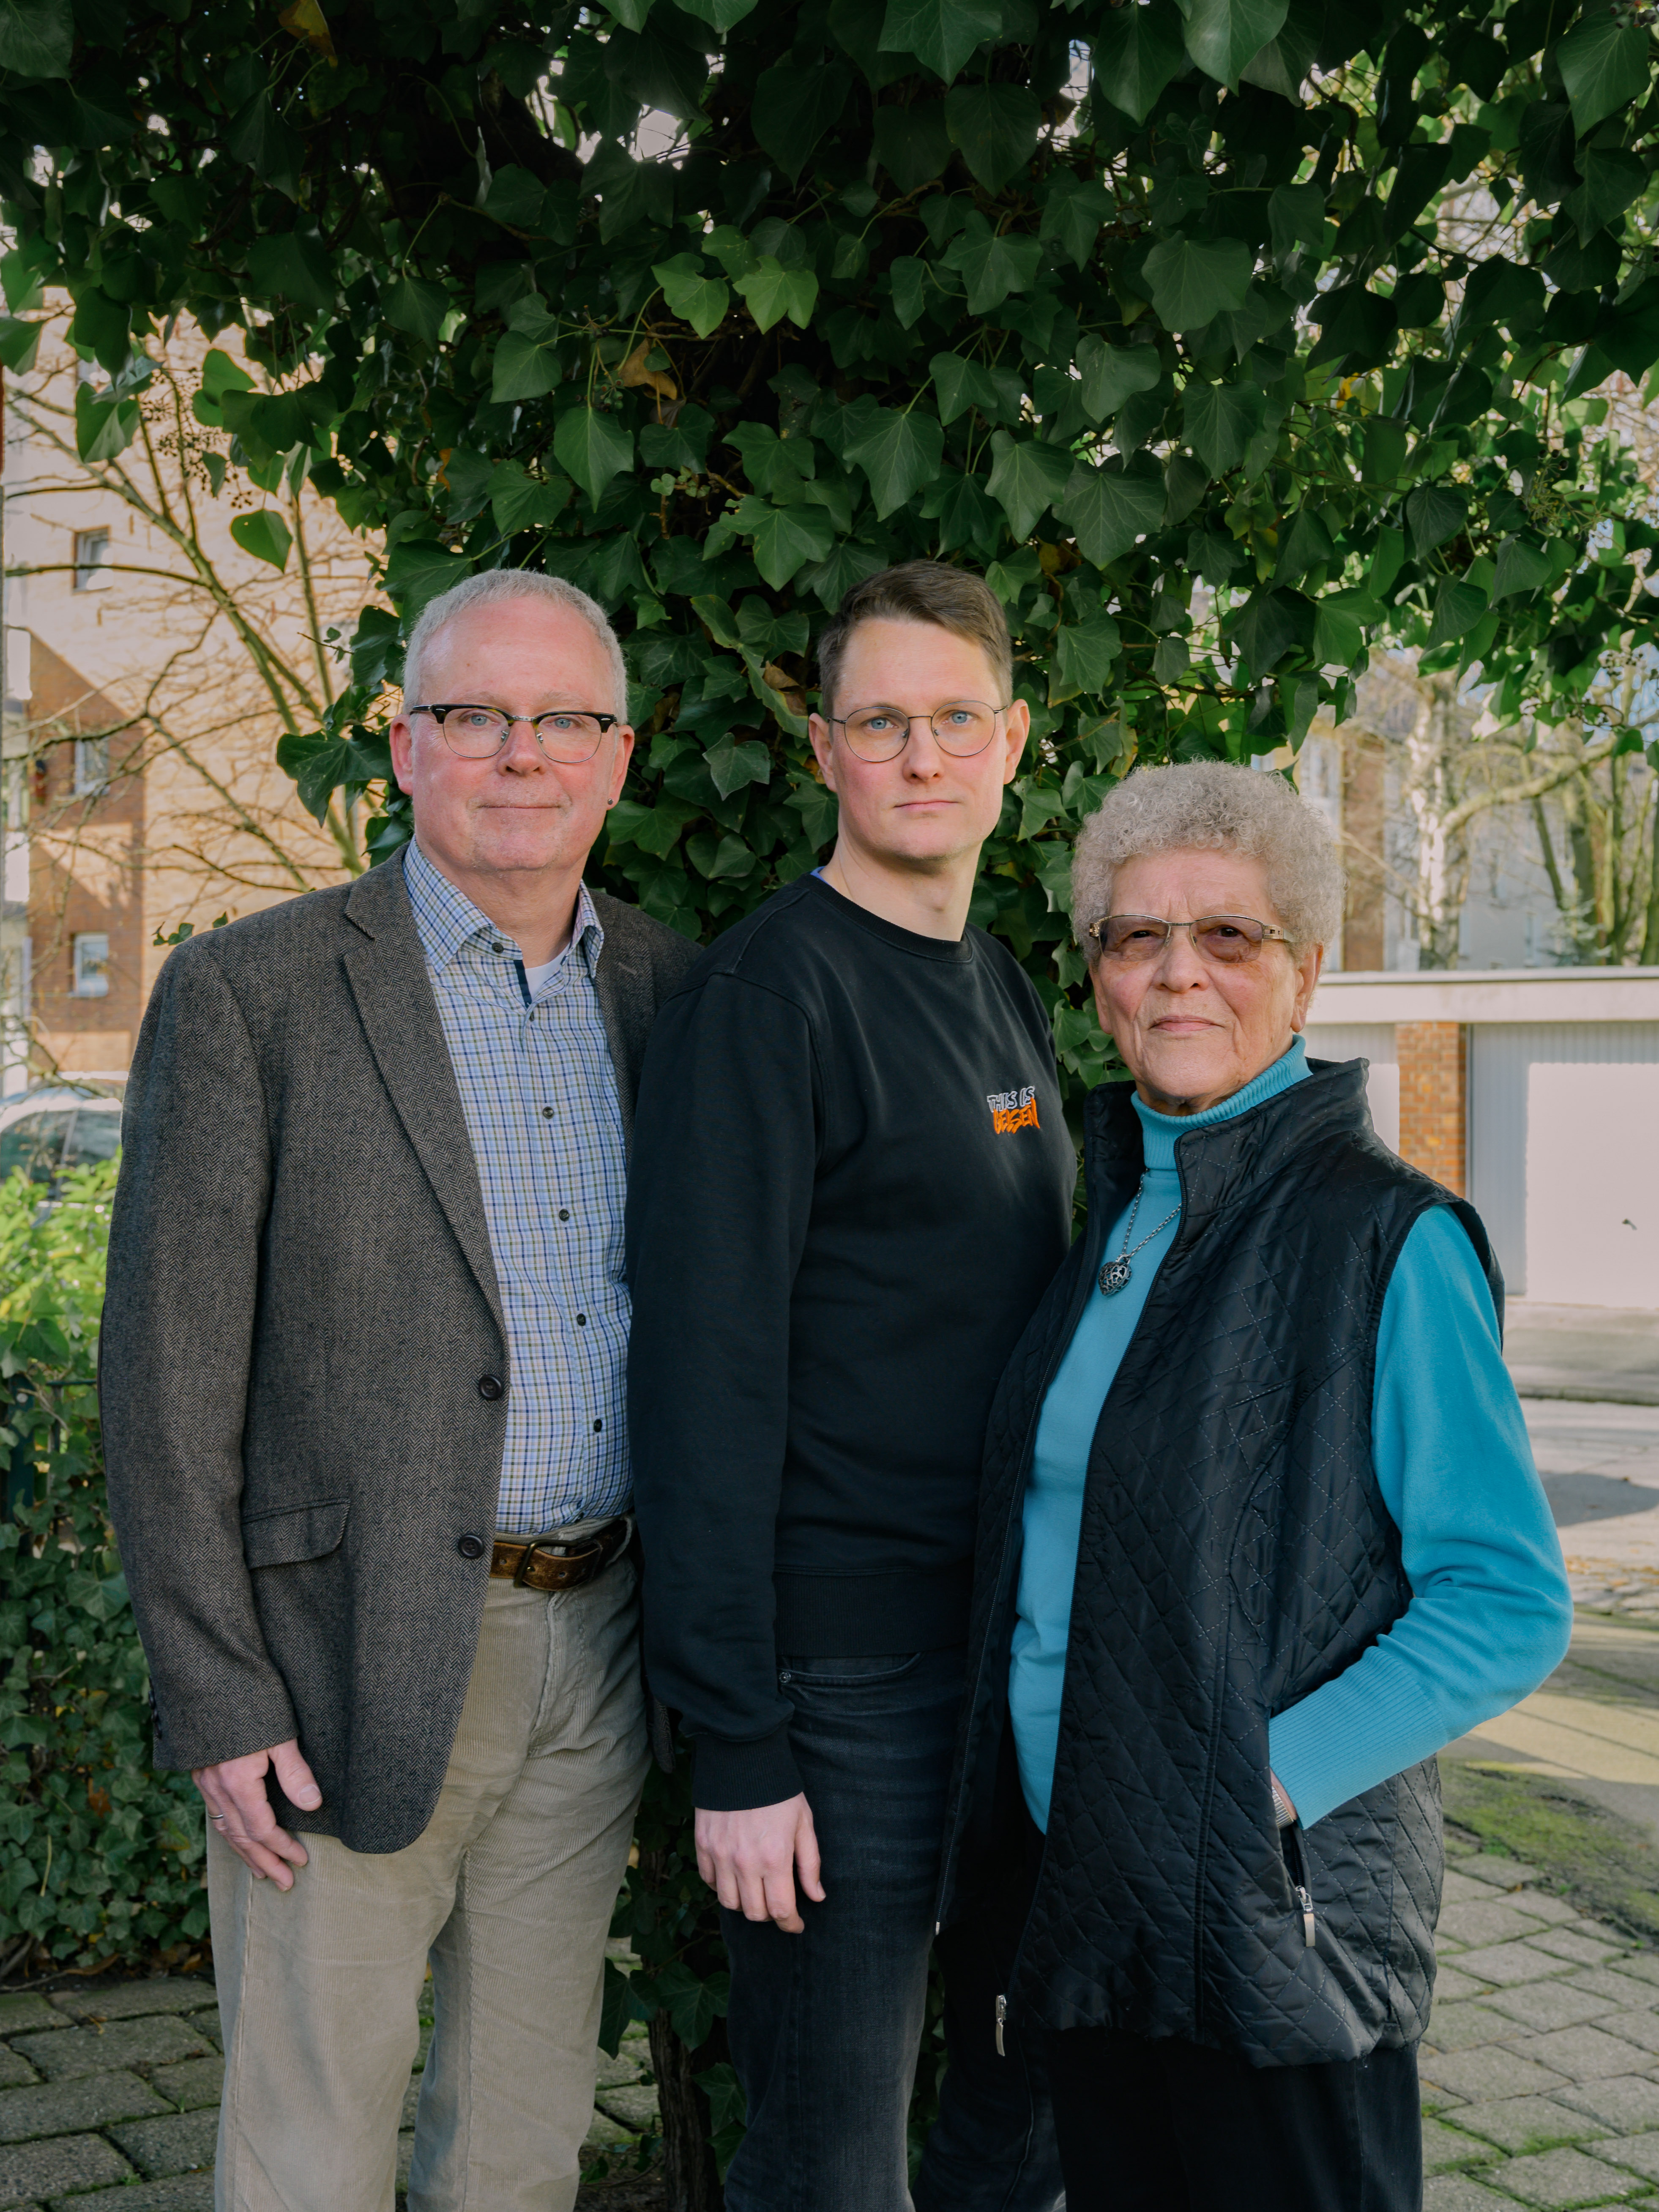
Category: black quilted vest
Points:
column 1235, row 1554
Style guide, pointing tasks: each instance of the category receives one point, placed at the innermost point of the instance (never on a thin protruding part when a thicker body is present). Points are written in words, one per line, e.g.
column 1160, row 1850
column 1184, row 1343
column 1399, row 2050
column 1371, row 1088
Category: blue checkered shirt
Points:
column 539, row 1093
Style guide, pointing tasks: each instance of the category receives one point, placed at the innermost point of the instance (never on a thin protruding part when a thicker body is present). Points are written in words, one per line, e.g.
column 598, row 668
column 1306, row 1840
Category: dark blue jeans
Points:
column 825, row 2026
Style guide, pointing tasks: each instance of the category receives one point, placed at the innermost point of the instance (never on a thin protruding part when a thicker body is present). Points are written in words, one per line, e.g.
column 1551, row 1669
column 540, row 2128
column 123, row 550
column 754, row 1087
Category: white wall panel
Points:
column 1371, row 1041
column 1565, row 1174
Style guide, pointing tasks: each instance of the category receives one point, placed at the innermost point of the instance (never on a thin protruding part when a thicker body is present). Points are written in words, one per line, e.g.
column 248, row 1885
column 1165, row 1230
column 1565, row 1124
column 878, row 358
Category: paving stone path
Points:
column 1540, row 2071
column 117, row 2088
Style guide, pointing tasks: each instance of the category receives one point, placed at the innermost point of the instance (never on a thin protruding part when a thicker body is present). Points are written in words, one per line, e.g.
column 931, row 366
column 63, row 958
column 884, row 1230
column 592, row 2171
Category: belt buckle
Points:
column 520, row 1573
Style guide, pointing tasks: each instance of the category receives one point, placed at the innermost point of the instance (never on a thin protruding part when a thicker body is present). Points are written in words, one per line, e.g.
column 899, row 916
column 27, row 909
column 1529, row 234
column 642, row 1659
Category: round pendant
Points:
column 1114, row 1275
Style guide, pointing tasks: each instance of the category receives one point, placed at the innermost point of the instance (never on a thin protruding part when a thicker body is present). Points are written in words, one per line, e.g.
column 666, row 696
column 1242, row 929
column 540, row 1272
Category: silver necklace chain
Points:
column 1116, row 1272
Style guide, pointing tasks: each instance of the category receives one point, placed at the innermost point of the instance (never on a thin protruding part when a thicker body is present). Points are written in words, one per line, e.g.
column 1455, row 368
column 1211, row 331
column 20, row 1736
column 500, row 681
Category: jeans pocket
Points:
column 798, row 1674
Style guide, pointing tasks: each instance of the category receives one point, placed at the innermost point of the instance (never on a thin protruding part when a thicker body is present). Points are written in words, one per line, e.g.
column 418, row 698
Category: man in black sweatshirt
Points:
column 852, row 1183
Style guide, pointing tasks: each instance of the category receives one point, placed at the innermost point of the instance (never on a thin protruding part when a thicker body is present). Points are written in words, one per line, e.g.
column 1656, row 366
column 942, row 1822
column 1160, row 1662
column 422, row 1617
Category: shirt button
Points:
column 496, row 944
column 491, row 1386
column 581, row 1321
column 597, row 1426
column 547, row 1112
column 564, row 1214
column 470, row 1547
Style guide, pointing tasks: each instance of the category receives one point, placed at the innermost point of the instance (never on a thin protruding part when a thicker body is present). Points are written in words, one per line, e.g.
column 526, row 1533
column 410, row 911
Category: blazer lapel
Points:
column 386, row 968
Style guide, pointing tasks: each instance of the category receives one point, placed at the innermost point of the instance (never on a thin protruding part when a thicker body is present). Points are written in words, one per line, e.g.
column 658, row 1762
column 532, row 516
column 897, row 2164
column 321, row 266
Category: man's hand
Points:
column 238, row 1807
column 751, row 1859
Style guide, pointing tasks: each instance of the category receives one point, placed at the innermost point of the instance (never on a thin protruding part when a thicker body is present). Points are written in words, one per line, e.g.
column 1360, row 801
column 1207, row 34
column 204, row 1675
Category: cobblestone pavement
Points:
column 1540, row 2071
column 117, row 2089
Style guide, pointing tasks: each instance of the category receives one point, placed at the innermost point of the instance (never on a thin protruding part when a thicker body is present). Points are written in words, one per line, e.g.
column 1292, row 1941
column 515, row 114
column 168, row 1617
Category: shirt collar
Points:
column 446, row 920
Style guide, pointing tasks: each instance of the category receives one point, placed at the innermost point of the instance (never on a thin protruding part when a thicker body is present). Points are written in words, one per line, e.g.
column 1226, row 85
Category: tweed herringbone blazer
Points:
column 301, row 1304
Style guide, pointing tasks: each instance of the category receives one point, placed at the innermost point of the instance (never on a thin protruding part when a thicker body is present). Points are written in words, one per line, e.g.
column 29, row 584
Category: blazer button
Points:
column 470, row 1547
column 491, row 1386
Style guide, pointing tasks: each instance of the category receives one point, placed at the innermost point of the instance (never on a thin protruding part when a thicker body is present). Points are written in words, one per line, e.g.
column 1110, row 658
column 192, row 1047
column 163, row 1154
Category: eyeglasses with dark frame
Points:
column 569, row 735
column 964, row 728
column 1228, row 940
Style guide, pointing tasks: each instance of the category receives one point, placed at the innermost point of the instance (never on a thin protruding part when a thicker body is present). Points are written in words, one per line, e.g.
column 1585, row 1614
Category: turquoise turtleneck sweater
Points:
column 1489, row 1613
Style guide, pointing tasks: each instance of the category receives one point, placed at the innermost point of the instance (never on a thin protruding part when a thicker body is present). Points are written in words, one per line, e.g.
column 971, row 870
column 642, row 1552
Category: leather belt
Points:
column 543, row 1563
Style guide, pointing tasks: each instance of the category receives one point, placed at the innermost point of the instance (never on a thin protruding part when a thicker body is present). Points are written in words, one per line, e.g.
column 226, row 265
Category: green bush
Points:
column 102, row 1859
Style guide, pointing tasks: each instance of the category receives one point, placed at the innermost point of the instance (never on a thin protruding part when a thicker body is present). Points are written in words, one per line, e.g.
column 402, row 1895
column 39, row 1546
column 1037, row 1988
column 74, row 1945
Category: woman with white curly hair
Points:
column 1260, row 1533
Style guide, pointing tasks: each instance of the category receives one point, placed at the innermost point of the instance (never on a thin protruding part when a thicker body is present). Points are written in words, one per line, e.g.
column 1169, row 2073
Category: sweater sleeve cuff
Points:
column 736, row 1778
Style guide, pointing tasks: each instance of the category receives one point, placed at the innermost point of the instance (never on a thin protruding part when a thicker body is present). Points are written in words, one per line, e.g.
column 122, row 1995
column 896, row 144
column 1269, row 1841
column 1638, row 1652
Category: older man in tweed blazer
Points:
column 363, row 1399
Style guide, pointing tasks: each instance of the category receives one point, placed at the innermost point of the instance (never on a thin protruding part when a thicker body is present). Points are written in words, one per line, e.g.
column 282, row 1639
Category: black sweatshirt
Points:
column 851, row 1184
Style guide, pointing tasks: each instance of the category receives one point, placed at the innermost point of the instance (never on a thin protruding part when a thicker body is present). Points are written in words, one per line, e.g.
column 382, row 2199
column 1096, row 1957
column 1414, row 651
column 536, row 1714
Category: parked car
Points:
column 48, row 1131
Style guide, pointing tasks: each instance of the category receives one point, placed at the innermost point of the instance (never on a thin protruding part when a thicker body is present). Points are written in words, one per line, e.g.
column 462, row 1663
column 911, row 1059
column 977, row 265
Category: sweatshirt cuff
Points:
column 736, row 1778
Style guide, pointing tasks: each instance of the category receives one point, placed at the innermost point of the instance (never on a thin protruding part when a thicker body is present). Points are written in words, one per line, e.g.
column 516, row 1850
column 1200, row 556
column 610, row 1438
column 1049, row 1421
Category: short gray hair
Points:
column 496, row 583
column 1212, row 806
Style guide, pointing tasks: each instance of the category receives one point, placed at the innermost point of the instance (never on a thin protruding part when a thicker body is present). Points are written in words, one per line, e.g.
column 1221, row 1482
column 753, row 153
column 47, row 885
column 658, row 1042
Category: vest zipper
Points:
column 1298, row 1874
column 1002, row 2015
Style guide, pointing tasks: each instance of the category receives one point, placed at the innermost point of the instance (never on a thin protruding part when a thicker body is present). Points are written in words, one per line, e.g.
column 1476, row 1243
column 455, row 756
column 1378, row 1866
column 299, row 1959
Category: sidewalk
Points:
column 1607, row 1354
column 118, row 2087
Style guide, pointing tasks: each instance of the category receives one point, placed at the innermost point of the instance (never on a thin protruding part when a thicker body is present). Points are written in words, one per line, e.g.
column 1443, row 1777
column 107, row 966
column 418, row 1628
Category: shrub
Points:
column 102, row 1864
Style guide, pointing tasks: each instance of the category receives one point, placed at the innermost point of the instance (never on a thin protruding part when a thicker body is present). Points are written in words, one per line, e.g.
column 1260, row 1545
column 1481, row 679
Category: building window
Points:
column 92, row 965
column 91, row 766
column 91, row 560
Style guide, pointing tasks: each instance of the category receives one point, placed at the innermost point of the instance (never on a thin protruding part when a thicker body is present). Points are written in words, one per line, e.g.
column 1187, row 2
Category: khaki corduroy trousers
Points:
column 508, row 1893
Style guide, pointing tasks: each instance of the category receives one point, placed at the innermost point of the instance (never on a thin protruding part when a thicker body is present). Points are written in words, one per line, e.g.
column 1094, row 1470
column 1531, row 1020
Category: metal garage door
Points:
column 1564, row 1166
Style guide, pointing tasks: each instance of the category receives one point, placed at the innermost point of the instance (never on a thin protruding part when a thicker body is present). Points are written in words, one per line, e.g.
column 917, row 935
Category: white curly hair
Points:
column 1212, row 806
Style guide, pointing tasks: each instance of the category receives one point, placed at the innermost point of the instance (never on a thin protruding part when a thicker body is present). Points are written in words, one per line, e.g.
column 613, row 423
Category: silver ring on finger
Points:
column 217, row 1819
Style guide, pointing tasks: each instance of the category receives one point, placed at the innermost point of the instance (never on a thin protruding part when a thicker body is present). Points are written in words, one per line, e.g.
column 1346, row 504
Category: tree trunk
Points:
column 690, row 2181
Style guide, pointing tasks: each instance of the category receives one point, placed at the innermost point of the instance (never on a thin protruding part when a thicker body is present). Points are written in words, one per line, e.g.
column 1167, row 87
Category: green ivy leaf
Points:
column 1083, row 654
column 1457, row 608
column 265, row 536
column 912, row 143
column 1283, row 63
column 732, row 765
column 996, row 127
column 418, row 569
column 1073, row 213
column 294, row 267
column 899, row 453
column 519, row 501
column 1193, row 280
column 1111, row 375
column 1218, row 420
column 102, row 327
column 965, row 516
column 721, row 15
column 772, row 291
column 941, row 32
column 521, row 369
column 1340, row 621
column 1222, row 35
column 1522, row 567
column 20, row 342
column 1604, row 65
column 793, row 109
column 103, row 427
column 592, row 448
column 36, row 37
column 259, row 137
column 1026, row 479
column 961, row 385
column 993, row 265
column 410, row 305
column 1268, row 626
column 785, row 537
column 1109, row 508
column 1138, row 50
column 1435, row 513
column 696, row 298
